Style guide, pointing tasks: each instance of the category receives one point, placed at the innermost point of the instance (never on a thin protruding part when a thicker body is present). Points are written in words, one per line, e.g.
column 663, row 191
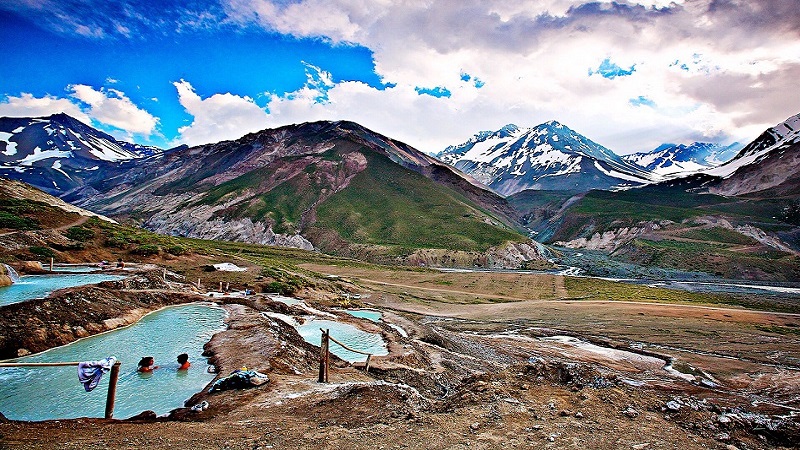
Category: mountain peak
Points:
column 55, row 152
column 554, row 124
column 547, row 156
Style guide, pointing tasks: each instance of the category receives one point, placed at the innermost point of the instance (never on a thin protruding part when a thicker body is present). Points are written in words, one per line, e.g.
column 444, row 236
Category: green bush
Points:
column 117, row 240
column 47, row 252
column 280, row 288
column 177, row 250
column 147, row 250
column 79, row 234
column 9, row 220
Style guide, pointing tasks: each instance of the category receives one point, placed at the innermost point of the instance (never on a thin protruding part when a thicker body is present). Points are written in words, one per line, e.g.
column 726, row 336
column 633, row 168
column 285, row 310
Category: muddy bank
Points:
column 70, row 314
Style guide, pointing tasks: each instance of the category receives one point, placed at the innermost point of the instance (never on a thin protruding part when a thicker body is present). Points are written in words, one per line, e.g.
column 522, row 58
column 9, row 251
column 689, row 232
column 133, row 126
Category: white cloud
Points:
column 218, row 117
column 26, row 105
column 534, row 58
column 112, row 107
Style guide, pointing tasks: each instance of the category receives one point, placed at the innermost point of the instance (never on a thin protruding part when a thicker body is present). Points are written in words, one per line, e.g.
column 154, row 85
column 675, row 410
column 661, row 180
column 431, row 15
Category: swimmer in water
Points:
column 146, row 364
column 183, row 360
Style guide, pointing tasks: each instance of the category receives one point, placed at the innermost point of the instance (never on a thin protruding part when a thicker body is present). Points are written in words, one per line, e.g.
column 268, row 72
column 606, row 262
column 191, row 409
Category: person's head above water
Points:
column 182, row 358
column 146, row 361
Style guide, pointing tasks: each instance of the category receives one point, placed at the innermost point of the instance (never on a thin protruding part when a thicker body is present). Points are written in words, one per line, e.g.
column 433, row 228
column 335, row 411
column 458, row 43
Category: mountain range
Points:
column 344, row 189
column 676, row 160
column 549, row 156
column 334, row 186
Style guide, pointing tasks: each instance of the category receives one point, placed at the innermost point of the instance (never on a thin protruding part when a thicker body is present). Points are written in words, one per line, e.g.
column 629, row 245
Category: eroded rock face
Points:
column 190, row 223
column 613, row 239
column 508, row 256
column 515, row 255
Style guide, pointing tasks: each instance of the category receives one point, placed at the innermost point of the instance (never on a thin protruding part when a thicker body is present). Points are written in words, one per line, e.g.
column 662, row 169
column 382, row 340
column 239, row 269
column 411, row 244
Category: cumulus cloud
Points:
column 112, row 107
column 109, row 107
column 27, row 105
column 218, row 117
column 661, row 70
column 532, row 58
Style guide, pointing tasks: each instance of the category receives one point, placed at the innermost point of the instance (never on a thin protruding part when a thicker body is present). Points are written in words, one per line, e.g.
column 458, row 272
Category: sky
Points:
column 628, row 74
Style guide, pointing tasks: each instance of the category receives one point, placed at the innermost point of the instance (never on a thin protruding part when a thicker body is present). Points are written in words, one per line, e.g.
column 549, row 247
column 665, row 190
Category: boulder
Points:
column 30, row 268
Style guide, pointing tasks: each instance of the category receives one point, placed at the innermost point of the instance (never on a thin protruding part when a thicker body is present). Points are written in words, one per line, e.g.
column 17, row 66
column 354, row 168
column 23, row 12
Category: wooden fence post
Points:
column 327, row 353
column 112, row 391
column 323, row 358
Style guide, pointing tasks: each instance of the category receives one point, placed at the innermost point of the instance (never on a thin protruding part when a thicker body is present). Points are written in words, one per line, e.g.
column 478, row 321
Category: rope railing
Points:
column 111, row 396
column 324, row 358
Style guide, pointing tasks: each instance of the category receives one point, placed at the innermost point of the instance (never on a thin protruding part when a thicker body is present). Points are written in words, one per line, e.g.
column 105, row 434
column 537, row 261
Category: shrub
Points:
column 280, row 288
column 47, row 252
column 177, row 250
column 147, row 250
column 79, row 234
column 14, row 222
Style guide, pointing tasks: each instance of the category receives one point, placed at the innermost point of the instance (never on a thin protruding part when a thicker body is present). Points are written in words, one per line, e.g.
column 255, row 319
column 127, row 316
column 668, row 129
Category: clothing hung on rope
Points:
column 90, row 372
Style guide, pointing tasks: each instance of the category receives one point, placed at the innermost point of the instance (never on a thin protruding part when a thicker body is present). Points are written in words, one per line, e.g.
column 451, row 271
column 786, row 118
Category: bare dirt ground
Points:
column 490, row 361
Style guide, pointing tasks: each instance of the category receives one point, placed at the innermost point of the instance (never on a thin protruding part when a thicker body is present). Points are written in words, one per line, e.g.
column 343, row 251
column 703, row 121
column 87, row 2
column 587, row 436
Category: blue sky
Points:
column 628, row 74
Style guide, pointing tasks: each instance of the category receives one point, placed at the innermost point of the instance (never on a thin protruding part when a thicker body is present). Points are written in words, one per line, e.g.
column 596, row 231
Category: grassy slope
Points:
column 390, row 205
column 385, row 205
column 718, row 251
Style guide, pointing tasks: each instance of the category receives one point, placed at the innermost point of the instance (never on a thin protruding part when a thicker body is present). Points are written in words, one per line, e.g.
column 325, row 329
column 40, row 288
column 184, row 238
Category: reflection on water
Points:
column 40, row 286
column 54, row 392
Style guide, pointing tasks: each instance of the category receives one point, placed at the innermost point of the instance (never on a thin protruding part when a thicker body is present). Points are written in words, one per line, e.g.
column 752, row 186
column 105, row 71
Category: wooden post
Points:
column 220, row 286
column 112, row 391
column 198, row 283
column 51, row 264
column 327, row 353
column 366, row 365
column 164, row 275
column 323, row 358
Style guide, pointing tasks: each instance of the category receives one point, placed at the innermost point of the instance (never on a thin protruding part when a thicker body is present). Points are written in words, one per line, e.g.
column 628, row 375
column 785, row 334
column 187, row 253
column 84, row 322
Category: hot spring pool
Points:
column 30, row 287
column 348, row 335
column 55, row 393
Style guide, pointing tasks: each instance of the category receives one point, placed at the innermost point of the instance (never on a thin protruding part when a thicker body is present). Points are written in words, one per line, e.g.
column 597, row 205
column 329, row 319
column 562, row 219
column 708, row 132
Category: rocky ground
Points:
column 451, row 383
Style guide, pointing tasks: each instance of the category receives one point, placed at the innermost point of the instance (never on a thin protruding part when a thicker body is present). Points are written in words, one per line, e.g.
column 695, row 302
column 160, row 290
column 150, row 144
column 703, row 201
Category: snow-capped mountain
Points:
column 56, row 153
column 770, row 161
column 780, row 136
column 549, row 156
column 676, row 160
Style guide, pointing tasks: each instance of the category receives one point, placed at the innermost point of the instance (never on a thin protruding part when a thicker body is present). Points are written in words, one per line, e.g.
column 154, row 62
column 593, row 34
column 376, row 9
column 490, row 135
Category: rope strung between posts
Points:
column 324, row 361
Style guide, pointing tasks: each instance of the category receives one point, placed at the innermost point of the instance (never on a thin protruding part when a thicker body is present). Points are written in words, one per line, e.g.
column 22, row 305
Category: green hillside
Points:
column 384, row 204
column 390, row 205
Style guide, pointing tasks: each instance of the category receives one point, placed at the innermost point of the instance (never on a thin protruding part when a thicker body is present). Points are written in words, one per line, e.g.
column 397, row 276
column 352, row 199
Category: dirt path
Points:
column 76, row 223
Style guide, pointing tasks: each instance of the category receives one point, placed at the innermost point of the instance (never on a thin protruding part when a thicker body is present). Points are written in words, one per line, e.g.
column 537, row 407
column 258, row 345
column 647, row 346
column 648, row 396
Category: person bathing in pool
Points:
column 146, row 364
column 183, row 360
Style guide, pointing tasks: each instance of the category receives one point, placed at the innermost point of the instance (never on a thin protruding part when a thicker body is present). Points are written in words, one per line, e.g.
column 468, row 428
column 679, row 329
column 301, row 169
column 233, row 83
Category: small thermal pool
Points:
column 369, row 314
column 40, row 286
column 348, row 335
column 55, row 393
